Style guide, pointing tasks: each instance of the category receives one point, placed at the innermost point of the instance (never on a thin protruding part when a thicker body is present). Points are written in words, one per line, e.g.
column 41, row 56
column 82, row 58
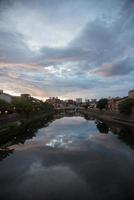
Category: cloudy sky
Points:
column 67, row 48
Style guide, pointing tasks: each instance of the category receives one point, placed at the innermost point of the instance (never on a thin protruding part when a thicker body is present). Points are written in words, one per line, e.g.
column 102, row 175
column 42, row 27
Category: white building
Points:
column 5, row 97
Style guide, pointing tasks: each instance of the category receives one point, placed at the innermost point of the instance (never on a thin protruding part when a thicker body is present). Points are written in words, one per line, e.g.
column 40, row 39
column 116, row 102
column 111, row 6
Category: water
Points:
column 70, row 159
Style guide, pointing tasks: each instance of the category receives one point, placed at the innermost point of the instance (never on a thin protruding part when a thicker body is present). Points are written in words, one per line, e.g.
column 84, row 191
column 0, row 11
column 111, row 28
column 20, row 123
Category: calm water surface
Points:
column 72, row 158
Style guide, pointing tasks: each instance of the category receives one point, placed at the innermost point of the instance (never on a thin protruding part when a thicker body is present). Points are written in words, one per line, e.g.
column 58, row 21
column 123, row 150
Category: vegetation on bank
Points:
column 126, row 106
column 4, row 106
column 25, row 107
column 14, row 134
column 102, row 103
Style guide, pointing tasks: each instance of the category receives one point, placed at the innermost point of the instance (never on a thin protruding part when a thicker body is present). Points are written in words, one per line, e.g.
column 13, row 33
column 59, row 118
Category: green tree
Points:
column 47, row 107
column 30, row 106
column 22, row 106
column 126, row 106
column 102, row 103
column 4, row 106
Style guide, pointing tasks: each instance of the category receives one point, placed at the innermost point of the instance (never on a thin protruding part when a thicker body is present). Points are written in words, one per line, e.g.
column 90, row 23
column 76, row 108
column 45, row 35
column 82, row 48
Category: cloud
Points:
column 66, row 48
column 13, row 48
column 119, row 68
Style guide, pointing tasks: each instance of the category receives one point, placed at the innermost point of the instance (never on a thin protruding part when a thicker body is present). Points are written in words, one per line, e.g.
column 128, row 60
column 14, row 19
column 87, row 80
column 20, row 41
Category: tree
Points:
column 126, row 106
column 4, row 106
column 47, row 107
column 22, row 106
column 102, row 103
column 30, row 106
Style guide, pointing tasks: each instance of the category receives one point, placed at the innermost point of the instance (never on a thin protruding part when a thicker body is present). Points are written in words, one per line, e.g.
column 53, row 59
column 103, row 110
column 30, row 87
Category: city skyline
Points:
column 68, row 49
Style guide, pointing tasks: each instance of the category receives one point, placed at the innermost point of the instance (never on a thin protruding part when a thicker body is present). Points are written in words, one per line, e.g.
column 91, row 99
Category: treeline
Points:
column 25, row 107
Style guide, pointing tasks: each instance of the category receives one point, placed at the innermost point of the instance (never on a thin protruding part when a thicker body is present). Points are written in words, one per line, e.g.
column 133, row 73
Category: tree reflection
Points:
column 18, row 135
column 5, row 152
column 87, row 117
column 124, row 133
column 15, row 135
column 102, row 127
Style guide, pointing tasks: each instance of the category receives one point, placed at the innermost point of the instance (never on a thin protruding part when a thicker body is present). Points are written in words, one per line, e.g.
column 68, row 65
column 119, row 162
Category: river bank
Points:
column 14, row 118
column 110, row 117
column 14, row 122
column 10, row 132
column 23, row 129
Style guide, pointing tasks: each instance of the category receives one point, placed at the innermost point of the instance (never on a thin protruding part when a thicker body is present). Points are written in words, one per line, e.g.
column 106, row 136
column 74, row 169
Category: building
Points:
column 94, row 101
column 25, row 96
column 70, row 104
column 56, row 102
column 113, row 104
column 87, row 100
column 131, row 94
column 78, row 100
column 5, row 97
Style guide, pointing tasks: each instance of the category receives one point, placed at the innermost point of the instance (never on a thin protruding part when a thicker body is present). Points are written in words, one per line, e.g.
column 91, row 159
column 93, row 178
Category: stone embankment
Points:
column 110, row 116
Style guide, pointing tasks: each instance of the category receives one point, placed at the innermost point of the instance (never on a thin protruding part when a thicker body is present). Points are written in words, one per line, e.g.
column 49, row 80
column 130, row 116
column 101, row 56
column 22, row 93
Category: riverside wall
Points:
column 110, row 116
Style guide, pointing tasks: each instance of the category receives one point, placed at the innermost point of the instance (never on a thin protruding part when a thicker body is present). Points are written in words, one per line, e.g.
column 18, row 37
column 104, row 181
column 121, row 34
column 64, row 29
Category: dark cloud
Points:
column 119, row 68
column 12, row 48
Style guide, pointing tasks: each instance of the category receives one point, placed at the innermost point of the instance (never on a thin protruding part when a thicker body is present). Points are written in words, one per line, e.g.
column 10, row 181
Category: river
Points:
column 69, row 159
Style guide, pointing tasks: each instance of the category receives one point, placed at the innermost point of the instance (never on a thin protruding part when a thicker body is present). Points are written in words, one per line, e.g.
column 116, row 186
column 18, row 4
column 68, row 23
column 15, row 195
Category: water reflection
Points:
column 72, row 158
column 5, row 152
column 19, row 135
column 124, row 133
column 102, row 127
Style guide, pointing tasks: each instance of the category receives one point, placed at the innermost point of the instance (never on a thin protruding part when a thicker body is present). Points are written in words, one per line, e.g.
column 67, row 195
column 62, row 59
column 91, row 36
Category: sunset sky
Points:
column 67, row 48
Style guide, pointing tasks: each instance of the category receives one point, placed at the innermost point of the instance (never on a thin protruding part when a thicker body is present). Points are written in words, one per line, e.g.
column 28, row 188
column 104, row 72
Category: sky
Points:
column 67, row 48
